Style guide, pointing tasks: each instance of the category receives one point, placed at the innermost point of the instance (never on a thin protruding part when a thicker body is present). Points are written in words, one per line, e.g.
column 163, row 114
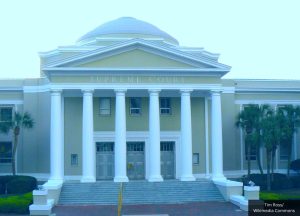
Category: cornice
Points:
column 134, row 71
column 141, row 43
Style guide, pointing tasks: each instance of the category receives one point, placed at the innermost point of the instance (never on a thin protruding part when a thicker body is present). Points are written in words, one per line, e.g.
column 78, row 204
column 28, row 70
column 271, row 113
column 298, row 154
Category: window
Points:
column 105, row 146
column 135, row 106
column 252, row 153
column 105, row 104
column 5, row 152
column 195, row 158
column 167, row 146
column 165, row 106
column 6, row 113
column 74, row 159
column 283, row 152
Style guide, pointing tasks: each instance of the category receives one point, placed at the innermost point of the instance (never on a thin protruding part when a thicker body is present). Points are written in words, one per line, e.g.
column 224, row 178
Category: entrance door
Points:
column 105, row 160
column 135, row 160
column 167, row 157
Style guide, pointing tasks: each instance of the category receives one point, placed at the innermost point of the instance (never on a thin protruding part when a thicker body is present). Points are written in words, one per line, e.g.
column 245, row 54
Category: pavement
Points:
column 189, row 209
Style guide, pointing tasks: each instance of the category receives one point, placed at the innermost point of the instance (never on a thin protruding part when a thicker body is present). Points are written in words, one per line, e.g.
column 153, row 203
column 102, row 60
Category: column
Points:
column 186, row 137
column 154, row 136
column 120, row 137
column 56, row 141
column 88, row 145
column 216, row 136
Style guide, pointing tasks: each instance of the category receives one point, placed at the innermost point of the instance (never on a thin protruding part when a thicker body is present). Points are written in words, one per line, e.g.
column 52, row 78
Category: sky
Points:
column 258, row 39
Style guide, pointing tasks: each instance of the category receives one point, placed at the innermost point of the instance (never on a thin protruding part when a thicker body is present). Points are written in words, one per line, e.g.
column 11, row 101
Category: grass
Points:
column 16, row 203
column 280, row 195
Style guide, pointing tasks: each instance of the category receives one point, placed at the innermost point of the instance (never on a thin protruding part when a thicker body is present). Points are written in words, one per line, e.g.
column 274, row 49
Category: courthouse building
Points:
column 127, row 102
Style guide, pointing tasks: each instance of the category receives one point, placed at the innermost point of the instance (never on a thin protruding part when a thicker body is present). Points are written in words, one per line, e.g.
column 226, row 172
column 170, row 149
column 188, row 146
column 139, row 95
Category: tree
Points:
column 291, row 120
column 247, row 120
column 271, row 136
column 18, row 121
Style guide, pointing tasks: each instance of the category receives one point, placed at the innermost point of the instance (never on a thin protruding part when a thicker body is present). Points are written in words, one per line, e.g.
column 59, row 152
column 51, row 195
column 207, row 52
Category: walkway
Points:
column 190, row 209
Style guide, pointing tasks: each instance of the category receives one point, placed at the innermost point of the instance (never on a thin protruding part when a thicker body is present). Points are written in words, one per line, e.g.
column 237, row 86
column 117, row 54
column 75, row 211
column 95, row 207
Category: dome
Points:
column 128, row 25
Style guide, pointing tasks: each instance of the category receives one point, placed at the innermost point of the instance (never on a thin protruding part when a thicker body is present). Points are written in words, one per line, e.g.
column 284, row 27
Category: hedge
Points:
column 295, row 165
column 17, row 184
column 279, row 182
column 277, row 196
column 16, row 204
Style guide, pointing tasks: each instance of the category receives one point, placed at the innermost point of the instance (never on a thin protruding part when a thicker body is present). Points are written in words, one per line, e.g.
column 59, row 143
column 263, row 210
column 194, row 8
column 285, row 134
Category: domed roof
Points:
column 128, row 25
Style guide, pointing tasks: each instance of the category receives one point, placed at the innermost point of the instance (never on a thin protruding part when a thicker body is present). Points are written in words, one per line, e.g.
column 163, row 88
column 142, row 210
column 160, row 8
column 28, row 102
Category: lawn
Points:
column 280, row 195
column 15, row 203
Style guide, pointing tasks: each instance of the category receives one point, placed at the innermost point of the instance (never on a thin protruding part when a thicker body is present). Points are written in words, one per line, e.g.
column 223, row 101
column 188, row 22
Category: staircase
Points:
column 139, row 192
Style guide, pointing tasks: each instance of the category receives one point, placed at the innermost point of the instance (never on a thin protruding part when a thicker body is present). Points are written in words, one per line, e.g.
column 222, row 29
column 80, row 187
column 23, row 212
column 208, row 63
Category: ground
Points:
column 190, row 209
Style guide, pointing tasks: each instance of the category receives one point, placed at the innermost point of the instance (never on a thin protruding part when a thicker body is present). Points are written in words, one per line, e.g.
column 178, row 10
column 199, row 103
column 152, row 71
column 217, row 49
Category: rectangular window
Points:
column 165, row 106
column 252, row 153
column 105, row 146
column 283, row 152
column 6, row 114
column 74, row 159
column 5, row 152
column 195, row 158
column 105, row 106
column 135, row 106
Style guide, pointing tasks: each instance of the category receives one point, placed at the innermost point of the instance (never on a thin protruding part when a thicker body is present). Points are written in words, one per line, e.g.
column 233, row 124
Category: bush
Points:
column 295, row 165
column 296, row 181
column 17, row 184
column 280, row 181
column 16, row 204
column 3, row 181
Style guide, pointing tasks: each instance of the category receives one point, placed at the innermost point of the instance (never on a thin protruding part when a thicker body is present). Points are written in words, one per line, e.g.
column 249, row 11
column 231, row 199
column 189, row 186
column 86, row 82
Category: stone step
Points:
column 139, row 192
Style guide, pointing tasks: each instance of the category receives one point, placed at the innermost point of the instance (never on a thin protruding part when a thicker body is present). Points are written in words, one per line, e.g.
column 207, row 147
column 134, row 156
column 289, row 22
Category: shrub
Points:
column 3, row 182
column 296, row 181
column 280, row 181
column 295, row 165
column 16, row 204
column 17, row 184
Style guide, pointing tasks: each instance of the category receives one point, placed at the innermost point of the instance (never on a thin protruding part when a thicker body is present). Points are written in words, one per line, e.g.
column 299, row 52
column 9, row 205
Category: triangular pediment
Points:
column 136, row 54
column 135, row 58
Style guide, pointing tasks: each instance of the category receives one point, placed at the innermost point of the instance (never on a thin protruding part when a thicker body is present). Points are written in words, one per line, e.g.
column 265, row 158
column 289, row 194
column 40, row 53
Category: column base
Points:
column 87, row 179
column 54, row 182
column 121, row 179
column 188, row 178
column 155, row 178
column 219, row 177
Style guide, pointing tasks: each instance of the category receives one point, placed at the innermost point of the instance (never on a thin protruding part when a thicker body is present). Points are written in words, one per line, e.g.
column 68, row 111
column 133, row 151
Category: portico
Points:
column 151, row 138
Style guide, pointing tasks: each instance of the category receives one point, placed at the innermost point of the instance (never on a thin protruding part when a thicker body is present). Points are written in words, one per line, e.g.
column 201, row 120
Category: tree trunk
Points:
column 249, row 159
column 258, row 159
column 268, row 171
column 272, row 164
column 15, row 144
column 289, row 158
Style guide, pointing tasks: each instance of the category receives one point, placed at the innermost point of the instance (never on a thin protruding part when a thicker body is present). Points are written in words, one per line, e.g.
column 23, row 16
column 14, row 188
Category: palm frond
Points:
column 27, row 121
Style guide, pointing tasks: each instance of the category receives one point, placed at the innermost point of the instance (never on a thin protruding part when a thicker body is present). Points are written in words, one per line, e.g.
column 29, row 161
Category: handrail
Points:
column 120, row 199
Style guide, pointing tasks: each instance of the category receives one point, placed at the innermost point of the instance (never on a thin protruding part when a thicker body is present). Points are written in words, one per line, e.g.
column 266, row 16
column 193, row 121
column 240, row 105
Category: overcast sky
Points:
column 258, row 38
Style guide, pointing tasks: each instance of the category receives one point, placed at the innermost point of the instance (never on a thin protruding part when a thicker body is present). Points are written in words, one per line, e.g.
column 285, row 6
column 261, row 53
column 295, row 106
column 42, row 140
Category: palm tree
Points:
column 271, row 136
column 291, row 118
column 19, row 121
column 247, row 120
column 261, row 112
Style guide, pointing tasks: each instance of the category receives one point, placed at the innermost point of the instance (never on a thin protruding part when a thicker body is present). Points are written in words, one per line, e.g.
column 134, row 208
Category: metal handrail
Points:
column 120, row 199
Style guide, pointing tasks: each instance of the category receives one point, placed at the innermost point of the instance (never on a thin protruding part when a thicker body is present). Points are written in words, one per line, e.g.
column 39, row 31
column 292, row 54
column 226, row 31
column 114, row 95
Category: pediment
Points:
column 137, row 54
column 135, row 58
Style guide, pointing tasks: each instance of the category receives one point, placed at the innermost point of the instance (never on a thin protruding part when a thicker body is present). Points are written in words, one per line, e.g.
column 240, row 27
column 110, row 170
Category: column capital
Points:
column 55, row 91
column 186, row 91
column 123, row 90
column 87, row 90
column 151, row 91
column 215, row 92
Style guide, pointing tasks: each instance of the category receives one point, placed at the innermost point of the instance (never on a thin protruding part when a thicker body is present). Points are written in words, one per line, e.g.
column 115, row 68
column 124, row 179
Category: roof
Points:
column 128, row 25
